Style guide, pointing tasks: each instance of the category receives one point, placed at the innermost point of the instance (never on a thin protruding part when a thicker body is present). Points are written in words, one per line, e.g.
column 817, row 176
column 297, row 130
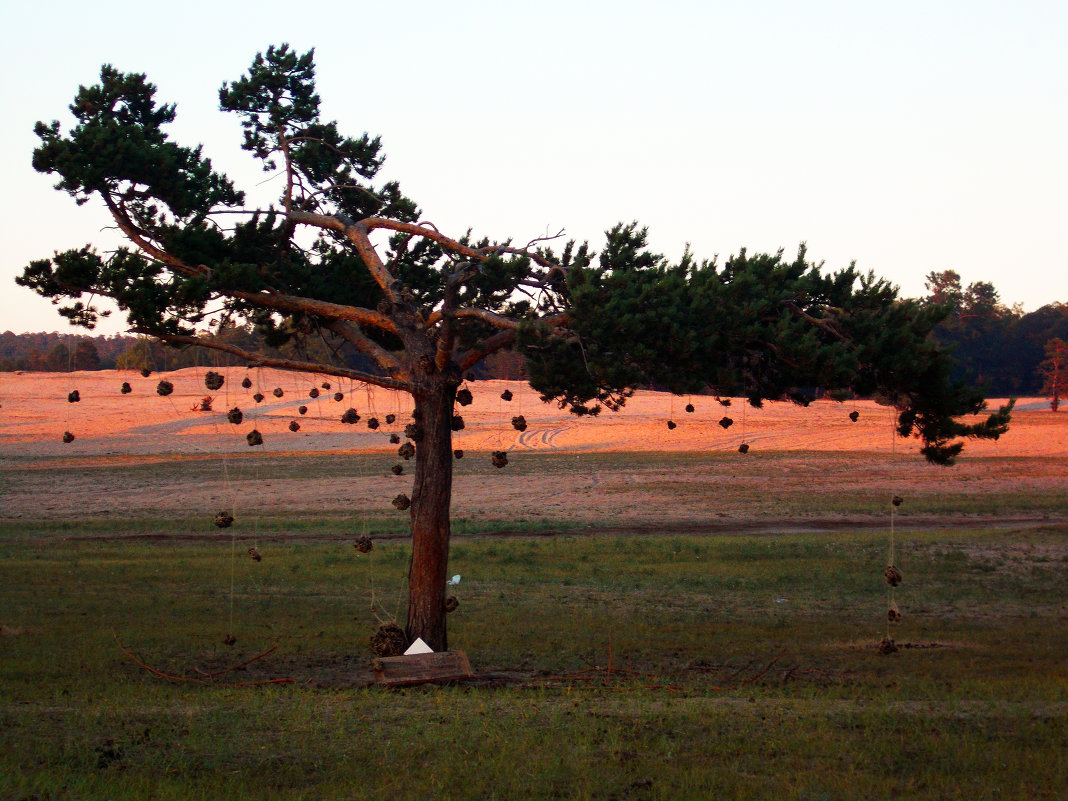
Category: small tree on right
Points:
column 1054, row 372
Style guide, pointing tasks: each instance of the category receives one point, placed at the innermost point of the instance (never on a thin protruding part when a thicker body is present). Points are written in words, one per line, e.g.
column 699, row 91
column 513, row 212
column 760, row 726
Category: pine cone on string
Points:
column 164, row 388
column 73, row 396
column 499, row 459
column 313, row 392
column 414, row 431
column 397, row 469
column 258, row 397
column 364, row 544
column 339, row 396
column 246, row 382
column 672, row 425
column 224, row 519
column 897, row 500
column 689, row 408
column 294, row 426
column 256, row 555
column 464, row 397
column 506, row 395
column 389, row 640
column 724, row 401
column 230, row 639
column 325, row 385
column 892, row 575
column 302, row 410
column 458, row 454
column 235, row 416
column 394, row 439
column 350, row 417
column 277, row 392
column 406, row 451
column 457, row 423
column 254, row 438
column 743, row 448
column 391, row 419
column 68, row 437
column 402, row 502
column 519, row 423
column 145, row 372
column 372, row 423
column 126, row 389
column 893, row 615
column 854, row 415
column 213, row 381
column 887, row 646
column 726, row 423
column 451, row 603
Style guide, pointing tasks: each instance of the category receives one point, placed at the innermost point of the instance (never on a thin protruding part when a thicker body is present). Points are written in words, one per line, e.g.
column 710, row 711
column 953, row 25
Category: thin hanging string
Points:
column 891, row 594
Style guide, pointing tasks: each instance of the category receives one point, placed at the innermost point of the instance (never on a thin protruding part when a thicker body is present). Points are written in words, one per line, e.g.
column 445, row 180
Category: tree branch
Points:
column 365, row 345
column 258, row 360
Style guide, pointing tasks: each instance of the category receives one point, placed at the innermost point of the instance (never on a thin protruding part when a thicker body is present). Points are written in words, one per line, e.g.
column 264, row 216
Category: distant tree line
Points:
column 997, row 347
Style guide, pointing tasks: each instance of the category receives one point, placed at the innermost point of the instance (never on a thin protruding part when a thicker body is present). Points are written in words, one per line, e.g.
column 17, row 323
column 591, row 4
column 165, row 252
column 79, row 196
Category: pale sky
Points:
column 909, row 137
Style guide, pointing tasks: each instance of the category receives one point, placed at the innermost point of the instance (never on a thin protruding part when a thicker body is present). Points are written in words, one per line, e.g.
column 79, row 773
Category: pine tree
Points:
column 427, row 308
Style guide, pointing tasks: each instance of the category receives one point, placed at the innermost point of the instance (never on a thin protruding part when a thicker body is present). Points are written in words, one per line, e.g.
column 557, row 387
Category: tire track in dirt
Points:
column 538, row 438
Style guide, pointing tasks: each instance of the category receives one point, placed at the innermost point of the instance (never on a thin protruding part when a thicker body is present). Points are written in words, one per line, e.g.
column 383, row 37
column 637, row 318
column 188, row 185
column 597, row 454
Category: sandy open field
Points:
column 43, row 477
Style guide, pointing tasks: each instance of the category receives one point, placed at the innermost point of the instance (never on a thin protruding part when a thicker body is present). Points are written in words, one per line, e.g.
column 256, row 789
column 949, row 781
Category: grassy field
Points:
column 651, row 666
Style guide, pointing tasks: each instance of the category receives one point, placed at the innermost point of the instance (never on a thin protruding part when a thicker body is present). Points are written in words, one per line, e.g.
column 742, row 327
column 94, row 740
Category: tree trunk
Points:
column 431, row 496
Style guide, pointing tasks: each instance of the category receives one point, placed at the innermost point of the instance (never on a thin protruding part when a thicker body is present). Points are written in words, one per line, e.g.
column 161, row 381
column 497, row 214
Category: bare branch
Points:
column 355, row 337
column 827, row 325
column 258, row 360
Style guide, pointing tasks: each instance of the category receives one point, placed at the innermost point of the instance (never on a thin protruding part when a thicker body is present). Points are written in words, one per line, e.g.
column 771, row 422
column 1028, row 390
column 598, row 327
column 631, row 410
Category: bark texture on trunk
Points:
column 431, row 495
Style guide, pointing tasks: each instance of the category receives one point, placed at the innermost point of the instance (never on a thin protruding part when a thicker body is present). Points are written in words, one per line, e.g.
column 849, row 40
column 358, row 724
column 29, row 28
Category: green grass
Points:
column 753, row 669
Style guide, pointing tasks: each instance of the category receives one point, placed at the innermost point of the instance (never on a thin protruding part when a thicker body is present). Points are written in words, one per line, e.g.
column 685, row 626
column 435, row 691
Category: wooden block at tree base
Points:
column 397, row 671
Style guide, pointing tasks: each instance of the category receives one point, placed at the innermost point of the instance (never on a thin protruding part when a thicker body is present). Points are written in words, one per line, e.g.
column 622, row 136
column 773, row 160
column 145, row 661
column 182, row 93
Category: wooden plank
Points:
column 398, row 671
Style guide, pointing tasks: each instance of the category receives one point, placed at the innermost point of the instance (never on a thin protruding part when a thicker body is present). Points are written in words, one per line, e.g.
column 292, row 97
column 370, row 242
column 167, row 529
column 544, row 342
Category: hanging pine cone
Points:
column 406, row 451
column 887, row 646
column 854, row 415
column 126, row 389
column 391, row 419
column 397, row 469
column 302, row 410
column 230, row 639
column 277, row 392
column 73, row 396
column 726, row 423
column 372, row 423
column 897, row 500
column 672, row 425
column 213, row 381
column 364, row 544
column 224, row 519
column 458, row 454
column 313, row 392
column 204, row 404
column 339, row 396
column 893, row 616
column 451, row 603
column 389, row 640
column 145, row 372
column 506, row 395
column 254, row 438
column 413, row 431
column 235, row 416
column 724, row 401
column 255, row 554
column 350, row 417
column 246, row 382
column 294, row 426
column 689, row 408
column 402, row 502
column 464, row 397
column 164, row 388
column 499, row 459
column 892, row 575
column 394, row 439
column 743, row 448
column 258, row 397
column 519, row 423
column 457, row 423
column 68, row 437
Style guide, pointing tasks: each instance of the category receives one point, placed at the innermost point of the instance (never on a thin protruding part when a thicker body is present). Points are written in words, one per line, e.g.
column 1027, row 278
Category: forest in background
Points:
column 996, row 346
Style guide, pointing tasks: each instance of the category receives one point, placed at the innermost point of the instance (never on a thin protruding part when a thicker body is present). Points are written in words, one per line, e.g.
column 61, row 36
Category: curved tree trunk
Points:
column 431, row 496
